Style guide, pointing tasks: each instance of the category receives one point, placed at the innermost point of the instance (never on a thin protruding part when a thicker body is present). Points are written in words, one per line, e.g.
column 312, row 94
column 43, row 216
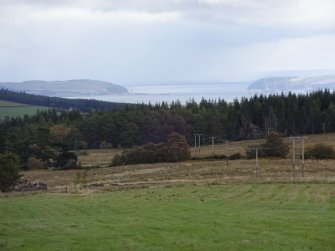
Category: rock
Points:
column 23, row 185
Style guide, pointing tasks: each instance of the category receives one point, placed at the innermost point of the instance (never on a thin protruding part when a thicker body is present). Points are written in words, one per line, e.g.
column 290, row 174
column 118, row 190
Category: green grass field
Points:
column 216, row 217
column 4, row 103
column 11, row 109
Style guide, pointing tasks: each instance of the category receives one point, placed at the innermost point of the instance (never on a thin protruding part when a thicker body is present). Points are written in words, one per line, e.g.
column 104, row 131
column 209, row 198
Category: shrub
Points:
column 119, row 160
column 273, row 147
column 215, row 157
column 34, row 163
column 221, row 156
column 81, row 145
column 320, row 151
column 250, row 152
column 137, row 155
column 66, row 160
column 82, row 153
column 235, row 156
column 176, row 149
column 105, row 145
column 9, row 171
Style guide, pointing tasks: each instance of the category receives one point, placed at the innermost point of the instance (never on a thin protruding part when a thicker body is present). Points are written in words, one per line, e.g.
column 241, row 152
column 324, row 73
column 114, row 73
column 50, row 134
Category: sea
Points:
column 158, row 93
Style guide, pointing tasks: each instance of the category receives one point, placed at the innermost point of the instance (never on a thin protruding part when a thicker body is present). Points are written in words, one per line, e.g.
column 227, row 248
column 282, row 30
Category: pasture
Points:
column 11, row 109
column 192, row 205
column 189, row 172
column 214, row 217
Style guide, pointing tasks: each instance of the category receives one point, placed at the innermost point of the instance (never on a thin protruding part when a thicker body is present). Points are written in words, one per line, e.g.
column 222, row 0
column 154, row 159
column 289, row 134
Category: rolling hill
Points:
column 292, row 83
column 69, row 88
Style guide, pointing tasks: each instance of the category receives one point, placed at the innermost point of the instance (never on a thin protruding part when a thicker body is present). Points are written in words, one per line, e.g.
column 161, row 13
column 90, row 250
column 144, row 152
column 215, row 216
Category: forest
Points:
column 83, row 105
column 50, row 135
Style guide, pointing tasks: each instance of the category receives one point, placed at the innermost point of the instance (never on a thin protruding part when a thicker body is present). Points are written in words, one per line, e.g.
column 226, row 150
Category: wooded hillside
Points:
column 51, row 131
column 84, row 105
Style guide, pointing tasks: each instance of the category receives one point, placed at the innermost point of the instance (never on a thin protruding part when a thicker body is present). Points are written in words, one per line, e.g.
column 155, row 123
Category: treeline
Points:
column 51, row 132
column 245, row 119
column 57, row 103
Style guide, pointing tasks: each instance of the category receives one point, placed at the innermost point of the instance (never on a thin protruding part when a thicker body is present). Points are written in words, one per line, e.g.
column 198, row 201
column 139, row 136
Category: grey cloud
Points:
column 301, row 14
column 111, row 5
column 222, row 39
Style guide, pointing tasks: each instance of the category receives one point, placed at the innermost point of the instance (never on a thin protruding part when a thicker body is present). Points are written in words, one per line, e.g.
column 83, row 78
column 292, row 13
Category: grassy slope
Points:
column 228, row 217
column 8, row 104
column 195, row 172
column 103, row 157
column 11, row 109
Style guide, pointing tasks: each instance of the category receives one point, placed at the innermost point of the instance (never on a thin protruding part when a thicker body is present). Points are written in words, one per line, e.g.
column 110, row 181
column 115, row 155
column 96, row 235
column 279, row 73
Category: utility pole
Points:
column 212, row 146
column 195, row 141
column 227, row 152
column 303, row 156
column 293, row 156
column 256, row 170
column 199, row 135
column 323, row 127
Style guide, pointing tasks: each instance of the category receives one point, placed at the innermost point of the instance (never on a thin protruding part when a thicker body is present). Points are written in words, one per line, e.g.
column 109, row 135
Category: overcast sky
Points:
column 158, row 41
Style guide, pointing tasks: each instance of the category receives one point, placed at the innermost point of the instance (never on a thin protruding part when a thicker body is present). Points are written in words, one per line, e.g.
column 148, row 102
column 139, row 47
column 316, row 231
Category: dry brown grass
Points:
column 98, row 157
column 220, row 148
column 191, row 172
column 240, row 146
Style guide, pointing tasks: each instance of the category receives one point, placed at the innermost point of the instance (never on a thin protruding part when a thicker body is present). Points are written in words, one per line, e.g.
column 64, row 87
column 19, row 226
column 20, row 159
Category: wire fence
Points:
column 293, row 165
column 215, row 163
column 269, row 170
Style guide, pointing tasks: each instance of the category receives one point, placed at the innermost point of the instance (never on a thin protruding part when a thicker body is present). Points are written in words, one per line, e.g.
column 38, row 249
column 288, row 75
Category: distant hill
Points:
column 293, row 83
column 69, row 88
